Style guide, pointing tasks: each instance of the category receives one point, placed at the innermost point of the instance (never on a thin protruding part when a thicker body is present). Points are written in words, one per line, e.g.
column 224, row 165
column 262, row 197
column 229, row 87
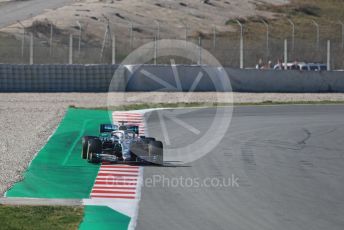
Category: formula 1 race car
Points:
column 121, row 143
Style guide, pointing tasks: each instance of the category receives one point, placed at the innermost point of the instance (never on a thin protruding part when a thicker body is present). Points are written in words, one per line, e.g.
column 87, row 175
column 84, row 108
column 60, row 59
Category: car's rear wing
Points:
column 133, row 128
column 125, row 126
column 107, row 128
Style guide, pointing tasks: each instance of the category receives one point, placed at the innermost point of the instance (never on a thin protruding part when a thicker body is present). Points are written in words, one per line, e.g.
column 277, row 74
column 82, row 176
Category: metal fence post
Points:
column 131, row 35
column 292, row 35
column 285, row 54
column 51, row 40
column 70, row 49
column 318, row 33
column 267, row 37
column 113, row 49
column 80, row 33
column 158, row 29
column 186, row 32
column 241, row 44
column 200, row 50
column 157, row 38
column 155, row 50
column 23, row 43
column 23, row 39
column 328, row 55
column 106, row 35
column 31, row 49
column 342, row 24
column 214, row 37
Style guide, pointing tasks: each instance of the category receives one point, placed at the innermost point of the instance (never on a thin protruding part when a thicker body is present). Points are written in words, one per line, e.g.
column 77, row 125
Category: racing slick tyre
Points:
column 85, row 140
column 134, row 151
column 147, row 140
column 155, row 148
column 94, row 147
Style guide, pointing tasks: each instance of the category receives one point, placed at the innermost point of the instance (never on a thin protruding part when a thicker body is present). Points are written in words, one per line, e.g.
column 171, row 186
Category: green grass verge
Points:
column 196, row 104
column 40, row 217
column 58, row 170
column 103, row 218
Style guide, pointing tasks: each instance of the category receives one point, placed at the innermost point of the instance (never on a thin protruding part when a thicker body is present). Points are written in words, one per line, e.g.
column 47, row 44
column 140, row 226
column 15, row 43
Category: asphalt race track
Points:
column 289, row 161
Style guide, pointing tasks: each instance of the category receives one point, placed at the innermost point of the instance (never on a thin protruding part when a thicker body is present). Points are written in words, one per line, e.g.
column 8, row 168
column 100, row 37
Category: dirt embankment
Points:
column 173, row 16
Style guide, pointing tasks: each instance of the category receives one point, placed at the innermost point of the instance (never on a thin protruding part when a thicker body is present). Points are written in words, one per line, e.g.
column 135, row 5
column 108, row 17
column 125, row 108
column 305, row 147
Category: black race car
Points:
column 121, row 143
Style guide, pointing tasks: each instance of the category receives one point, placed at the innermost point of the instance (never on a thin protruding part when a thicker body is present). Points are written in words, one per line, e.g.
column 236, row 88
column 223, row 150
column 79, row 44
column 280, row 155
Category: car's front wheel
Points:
column 94, row 148
column 155, row 148
column 84, row 147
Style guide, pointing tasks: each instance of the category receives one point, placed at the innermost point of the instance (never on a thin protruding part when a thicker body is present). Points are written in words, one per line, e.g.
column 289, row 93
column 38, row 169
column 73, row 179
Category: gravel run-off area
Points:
column 28, row 119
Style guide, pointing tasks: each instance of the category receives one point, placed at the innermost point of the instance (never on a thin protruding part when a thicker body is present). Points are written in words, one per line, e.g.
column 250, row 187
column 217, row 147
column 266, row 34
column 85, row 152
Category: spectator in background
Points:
column 260, row 64
column 279, row 65
column 295, row 66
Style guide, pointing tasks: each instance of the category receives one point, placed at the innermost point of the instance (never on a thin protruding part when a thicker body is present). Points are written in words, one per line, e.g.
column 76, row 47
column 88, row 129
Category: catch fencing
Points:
column 55, row 43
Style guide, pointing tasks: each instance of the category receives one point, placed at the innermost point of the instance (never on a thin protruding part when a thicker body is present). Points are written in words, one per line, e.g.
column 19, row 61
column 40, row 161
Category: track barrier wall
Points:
column 97, row 78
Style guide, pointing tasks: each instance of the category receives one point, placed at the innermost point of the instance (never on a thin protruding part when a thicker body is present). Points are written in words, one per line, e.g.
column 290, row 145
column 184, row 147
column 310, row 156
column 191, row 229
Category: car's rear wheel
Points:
column 85, row 140
column 94, row 147
column 155, row 148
